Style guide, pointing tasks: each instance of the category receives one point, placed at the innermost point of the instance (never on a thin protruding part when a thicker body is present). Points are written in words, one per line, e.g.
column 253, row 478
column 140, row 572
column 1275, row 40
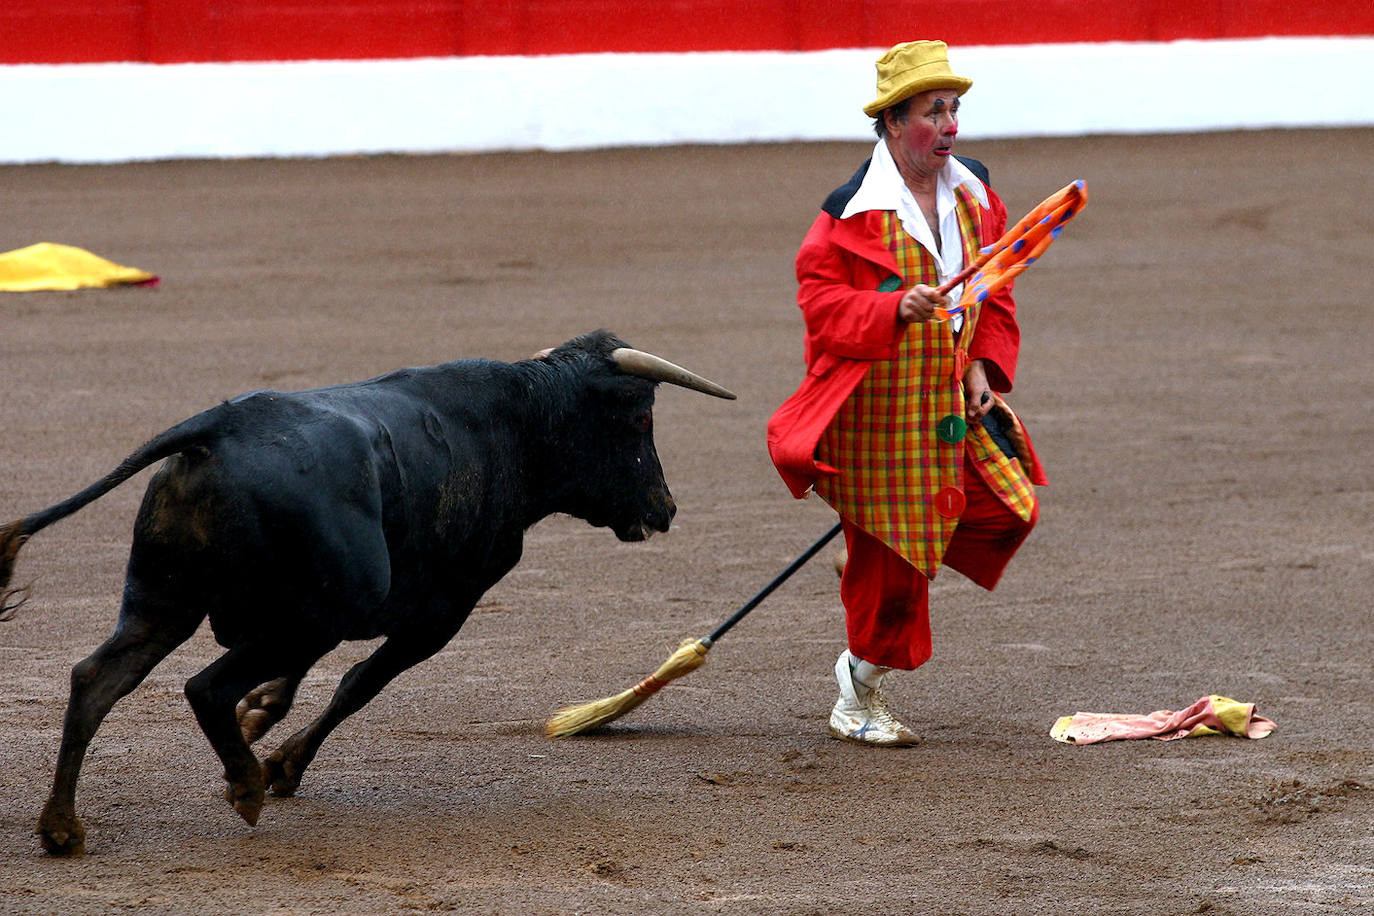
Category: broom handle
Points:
column 767, row 590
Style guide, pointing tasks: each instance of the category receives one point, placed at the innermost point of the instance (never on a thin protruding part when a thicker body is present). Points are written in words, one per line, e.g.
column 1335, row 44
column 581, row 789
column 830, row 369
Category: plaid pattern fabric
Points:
column 1003, row 473
column 883, row 440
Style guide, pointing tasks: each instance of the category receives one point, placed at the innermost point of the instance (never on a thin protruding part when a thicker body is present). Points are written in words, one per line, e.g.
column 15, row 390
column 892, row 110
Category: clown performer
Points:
column 899, row 424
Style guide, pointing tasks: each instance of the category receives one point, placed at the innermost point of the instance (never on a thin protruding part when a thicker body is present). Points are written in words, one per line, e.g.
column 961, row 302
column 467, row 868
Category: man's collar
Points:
column 882, row 185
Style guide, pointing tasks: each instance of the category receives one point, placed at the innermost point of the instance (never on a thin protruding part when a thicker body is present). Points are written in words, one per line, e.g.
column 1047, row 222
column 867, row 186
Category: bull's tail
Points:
column 12, row 538
column 182, row 437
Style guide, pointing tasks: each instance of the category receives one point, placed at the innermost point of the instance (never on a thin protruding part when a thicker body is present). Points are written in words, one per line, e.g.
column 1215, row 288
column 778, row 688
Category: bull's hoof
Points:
column 62, row 836
column 246, row 799
column 254, row 723
column 263, row 708
column 281, row 777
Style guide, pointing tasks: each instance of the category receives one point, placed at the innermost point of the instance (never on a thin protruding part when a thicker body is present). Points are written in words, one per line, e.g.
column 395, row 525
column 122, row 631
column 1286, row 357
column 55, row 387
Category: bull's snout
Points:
column 661, row 522
column 657, row 515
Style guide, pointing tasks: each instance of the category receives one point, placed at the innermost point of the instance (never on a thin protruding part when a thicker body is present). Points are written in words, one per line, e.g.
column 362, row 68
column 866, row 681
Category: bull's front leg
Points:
column 284, row 768
column 265, row 706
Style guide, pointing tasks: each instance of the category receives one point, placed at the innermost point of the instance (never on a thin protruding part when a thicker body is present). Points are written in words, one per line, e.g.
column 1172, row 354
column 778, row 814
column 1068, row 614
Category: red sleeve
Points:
column 845, row 313
column 997, row 340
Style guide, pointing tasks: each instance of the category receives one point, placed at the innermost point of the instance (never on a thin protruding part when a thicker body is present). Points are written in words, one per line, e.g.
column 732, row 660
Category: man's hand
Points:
column 977, row 394
column 919, row 304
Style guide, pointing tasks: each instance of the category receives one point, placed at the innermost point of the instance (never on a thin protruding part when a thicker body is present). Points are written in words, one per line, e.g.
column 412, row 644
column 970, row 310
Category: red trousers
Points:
column 886, row 601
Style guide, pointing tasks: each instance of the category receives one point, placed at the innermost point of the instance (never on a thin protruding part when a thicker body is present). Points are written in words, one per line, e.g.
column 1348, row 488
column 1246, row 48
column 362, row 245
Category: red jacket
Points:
column 850, row 324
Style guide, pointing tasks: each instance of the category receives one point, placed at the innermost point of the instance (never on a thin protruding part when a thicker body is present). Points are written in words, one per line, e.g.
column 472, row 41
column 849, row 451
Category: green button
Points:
column 891, row 284
column 951, row 429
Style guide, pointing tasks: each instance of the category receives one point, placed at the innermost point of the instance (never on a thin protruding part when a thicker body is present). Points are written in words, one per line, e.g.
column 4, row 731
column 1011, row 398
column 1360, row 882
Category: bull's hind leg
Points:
column 114, row 669
column 214, row 694
column 265, row 706
column 285, row 766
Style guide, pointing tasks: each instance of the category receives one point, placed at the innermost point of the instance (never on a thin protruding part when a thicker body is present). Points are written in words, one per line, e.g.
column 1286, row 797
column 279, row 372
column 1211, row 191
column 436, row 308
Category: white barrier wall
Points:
column 123, row 112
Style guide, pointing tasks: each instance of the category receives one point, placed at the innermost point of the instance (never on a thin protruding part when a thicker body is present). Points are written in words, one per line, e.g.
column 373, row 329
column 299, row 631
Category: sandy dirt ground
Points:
column 1195, row 372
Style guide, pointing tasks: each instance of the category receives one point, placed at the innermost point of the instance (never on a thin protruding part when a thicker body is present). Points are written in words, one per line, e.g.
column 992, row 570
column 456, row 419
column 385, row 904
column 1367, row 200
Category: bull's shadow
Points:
column 381, row 508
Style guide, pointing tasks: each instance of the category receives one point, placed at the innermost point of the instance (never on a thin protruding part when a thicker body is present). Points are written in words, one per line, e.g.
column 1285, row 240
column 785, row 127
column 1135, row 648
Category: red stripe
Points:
column 173, row 31
column 649, row 686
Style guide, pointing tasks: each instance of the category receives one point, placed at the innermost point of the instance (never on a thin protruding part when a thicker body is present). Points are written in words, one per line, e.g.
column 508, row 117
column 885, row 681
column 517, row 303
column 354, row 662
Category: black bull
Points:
column 382, row 508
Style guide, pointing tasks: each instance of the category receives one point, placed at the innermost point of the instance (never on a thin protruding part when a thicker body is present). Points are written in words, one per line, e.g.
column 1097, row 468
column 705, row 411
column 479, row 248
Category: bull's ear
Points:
column 658, row 369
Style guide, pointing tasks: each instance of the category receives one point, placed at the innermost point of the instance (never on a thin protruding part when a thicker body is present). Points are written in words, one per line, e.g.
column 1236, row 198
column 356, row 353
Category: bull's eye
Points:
column 643, row 422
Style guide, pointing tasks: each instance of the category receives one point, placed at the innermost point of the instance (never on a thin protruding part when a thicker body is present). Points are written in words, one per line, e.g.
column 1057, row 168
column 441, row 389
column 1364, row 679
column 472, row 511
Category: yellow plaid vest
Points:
column 898, row 441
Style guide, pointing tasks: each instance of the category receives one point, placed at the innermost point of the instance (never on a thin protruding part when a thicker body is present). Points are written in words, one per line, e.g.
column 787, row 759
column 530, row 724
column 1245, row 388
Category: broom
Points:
column 573, row 720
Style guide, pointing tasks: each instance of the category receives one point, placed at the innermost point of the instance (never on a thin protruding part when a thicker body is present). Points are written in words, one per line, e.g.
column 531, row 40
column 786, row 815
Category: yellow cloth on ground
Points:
column 47, row 265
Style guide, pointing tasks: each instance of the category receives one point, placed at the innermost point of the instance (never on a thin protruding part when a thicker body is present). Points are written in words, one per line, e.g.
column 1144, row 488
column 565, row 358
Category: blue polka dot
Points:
column 1018, row 245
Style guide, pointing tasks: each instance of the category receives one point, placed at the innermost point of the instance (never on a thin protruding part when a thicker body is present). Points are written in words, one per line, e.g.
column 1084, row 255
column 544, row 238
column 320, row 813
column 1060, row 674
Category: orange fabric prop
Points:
column 1017, row 249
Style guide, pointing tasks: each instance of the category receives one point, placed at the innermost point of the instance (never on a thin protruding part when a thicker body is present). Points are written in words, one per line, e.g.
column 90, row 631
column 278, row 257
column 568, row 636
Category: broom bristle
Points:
column 689, row 657
column 573, row 720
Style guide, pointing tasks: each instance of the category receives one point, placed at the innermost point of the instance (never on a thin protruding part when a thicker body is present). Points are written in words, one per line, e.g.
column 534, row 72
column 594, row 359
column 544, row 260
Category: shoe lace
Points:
column 879, row 714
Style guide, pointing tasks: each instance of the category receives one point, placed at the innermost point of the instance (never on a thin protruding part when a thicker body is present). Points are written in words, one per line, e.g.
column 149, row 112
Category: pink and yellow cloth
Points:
column 1211, row 715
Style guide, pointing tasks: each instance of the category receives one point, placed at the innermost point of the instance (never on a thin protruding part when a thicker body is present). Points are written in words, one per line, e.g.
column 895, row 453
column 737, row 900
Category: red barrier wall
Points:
column 177, row 31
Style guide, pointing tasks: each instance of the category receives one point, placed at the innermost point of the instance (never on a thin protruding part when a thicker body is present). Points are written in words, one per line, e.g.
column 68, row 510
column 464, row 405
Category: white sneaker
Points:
column 860, row 714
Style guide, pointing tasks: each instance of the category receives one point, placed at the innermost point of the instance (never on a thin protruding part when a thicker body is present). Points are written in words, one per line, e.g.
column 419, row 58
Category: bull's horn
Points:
column 658, row 369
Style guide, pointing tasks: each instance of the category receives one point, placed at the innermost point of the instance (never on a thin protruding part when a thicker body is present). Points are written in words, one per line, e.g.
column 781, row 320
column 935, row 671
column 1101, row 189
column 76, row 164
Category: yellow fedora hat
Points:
column 912, row 67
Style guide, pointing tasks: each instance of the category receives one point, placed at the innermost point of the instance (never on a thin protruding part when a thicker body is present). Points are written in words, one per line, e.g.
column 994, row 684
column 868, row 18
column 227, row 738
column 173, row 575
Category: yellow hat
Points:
column 912, row 67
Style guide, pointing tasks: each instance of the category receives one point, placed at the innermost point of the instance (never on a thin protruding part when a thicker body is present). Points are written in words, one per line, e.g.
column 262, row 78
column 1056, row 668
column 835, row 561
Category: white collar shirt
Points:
column 882, row 188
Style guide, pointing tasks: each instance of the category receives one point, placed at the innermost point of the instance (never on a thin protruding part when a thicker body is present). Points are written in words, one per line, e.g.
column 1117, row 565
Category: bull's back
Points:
column 345, row 500
column 276, row 512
